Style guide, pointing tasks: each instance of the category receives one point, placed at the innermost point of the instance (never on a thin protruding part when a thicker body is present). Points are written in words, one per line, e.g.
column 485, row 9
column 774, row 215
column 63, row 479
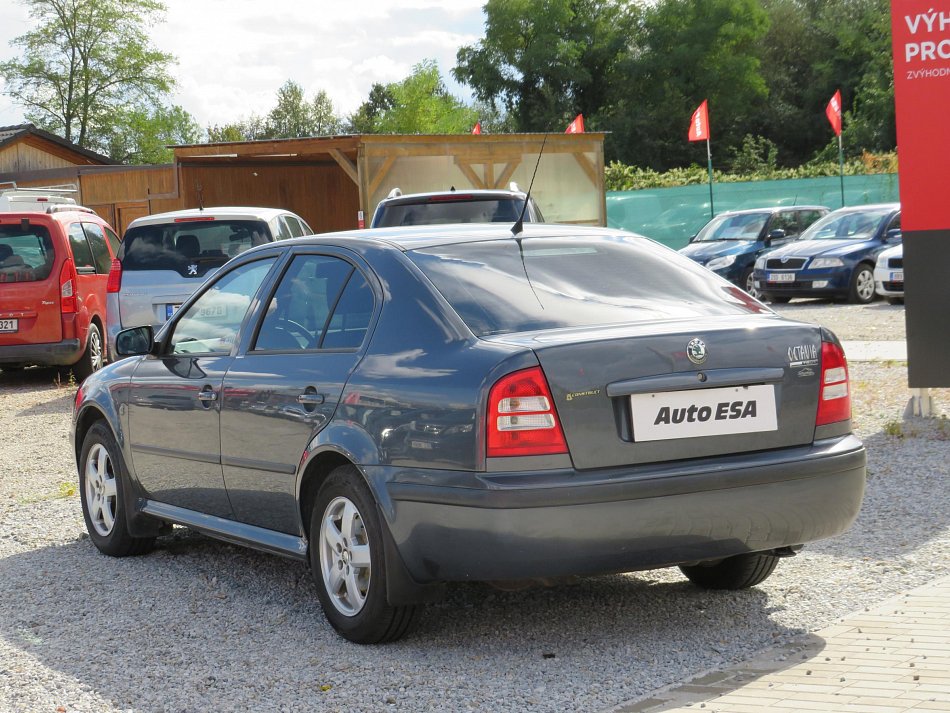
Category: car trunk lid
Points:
column 29, row 281
column 631, row 394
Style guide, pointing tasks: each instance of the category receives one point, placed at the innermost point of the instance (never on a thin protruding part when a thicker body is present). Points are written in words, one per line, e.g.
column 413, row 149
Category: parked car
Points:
column 407, row 407
column 55, row 258
column 729, row 243
column 166, row 256
column 833, row 258
column 476, row 206
column 889, row 274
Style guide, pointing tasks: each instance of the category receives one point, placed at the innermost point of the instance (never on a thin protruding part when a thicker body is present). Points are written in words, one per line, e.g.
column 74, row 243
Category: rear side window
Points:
column 26, row 253
column 298, row 315
column 82, row 253
column 100, row 250
column 517, row 285
column 190, row 248
column 458, row 210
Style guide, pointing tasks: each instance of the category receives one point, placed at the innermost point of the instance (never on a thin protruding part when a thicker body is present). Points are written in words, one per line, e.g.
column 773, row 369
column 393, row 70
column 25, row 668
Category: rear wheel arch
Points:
column 317, row 471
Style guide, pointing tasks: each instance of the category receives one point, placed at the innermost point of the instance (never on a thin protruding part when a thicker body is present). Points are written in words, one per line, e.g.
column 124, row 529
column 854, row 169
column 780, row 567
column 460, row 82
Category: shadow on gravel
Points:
column 199, row 624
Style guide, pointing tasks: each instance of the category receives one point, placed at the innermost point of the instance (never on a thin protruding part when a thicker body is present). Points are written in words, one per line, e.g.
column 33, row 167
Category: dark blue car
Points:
column 401, row 408
column 834, row 258
column 729, row 243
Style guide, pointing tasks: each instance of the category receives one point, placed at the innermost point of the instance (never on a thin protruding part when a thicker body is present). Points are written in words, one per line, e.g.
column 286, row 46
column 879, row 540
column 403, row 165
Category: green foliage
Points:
column 621, row 177
column 142, row 136
column 365, row 119
column 85, row 64
column 545, row 61
column 421, row 104
column 756, row 153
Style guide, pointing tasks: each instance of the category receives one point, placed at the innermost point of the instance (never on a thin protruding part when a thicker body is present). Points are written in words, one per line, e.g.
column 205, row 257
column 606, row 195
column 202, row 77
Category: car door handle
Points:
column 207, row 395
column 310, row 398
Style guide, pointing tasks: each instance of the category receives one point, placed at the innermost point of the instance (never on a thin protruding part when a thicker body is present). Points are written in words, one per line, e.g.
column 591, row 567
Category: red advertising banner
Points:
column 699, row 123
column 921, row 37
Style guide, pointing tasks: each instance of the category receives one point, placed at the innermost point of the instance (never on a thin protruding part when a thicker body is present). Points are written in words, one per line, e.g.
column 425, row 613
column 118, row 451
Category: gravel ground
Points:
column 200, row 625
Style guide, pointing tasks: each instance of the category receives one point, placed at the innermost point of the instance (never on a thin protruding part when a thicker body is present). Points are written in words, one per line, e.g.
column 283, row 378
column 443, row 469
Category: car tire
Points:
column 102, row 482
column 861, row 290
column 739, row 572
column 348, row 562
column 91, row 360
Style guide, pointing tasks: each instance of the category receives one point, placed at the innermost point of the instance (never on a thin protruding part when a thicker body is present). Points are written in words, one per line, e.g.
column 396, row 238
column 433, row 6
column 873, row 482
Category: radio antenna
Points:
column 518, row 227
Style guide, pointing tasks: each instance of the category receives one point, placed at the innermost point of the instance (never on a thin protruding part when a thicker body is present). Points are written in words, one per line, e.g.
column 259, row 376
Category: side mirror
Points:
column 135, row 341
column 777, row 234
column 893, row 234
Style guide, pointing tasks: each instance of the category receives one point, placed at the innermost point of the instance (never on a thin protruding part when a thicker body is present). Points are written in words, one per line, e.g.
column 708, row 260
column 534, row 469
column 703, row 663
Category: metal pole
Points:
column 712, row 212
column 841, row 168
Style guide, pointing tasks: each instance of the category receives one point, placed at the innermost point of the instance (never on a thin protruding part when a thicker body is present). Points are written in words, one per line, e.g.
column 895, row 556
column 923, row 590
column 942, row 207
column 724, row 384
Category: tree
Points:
column 86, row 63
column 295, row 117
column 142, row 136
column 365, row 119
column 547, row 60
column 421, row 104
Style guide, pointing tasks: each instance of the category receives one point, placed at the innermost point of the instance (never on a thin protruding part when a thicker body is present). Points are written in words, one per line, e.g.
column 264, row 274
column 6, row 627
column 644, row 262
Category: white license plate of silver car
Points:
column 781, row 277
column 897, row 276
column 703, row 412
column 8, row 326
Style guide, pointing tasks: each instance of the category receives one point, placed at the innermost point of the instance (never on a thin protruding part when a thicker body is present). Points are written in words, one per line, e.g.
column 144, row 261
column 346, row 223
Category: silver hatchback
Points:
column 165, row 257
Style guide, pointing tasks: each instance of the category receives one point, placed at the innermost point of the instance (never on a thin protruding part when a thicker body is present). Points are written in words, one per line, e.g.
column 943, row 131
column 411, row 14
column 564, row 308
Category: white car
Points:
column 166, row 256
column 889, row 274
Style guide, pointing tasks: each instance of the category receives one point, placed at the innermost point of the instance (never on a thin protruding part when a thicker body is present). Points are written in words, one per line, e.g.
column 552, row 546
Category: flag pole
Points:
column 841, row 167
column 712, row 213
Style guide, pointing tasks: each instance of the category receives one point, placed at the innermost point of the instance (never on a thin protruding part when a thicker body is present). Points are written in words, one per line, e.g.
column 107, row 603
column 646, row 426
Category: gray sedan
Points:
column 402, row 408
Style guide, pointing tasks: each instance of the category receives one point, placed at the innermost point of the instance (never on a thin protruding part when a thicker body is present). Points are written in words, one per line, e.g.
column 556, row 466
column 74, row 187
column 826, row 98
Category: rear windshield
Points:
column 26, row 253
column 467, row 210
column 504, row 286
column 190, row 248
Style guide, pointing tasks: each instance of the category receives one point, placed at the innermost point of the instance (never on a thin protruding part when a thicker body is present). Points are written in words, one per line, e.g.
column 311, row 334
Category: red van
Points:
column 55, row 258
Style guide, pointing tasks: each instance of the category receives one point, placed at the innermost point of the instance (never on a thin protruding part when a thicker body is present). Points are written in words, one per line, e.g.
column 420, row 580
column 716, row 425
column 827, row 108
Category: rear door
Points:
column 287, row 385
column 29, row 280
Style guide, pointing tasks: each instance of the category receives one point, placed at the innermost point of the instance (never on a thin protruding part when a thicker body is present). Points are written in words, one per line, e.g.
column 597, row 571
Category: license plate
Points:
column 703, row 412
column 9, row 325
column 212, row 311
column 897, row 276
column 170, row 310
column 781, row 277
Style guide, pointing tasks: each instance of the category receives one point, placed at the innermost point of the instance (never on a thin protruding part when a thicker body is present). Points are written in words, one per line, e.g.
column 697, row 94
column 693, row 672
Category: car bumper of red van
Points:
column 62, row 353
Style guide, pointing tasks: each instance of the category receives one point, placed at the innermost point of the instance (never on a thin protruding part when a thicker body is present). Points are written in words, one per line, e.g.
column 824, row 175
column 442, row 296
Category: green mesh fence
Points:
column 672, row 215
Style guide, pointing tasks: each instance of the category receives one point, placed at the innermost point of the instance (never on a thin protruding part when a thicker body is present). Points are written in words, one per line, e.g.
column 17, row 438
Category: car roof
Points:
column 465, row 193
column 218, row 212
column 416, row 237
column 868, row 207
column 772, row 209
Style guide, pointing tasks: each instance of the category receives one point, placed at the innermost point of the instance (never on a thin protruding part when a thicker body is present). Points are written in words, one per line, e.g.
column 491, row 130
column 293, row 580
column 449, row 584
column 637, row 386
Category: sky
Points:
column 233, row 55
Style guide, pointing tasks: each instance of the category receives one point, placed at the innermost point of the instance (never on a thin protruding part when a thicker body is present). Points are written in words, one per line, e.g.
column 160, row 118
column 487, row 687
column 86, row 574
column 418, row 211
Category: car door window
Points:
column 787, row 221
column 100, row 249
column 300, row 307
column 114, row 242
column 350, row 319
column 807, row 217
column 281, row 230
column 307, row 230
column 293, row 225
column 82, row 254
column 211, row 324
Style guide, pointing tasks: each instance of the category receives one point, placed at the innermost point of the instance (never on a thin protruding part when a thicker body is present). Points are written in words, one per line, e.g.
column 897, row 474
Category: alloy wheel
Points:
column 865, row 285
column 345, row 562
column 100, row 490
column 95, row 350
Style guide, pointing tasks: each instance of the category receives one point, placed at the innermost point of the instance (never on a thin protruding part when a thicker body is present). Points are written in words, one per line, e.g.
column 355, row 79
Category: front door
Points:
column 287, row 385
column 174, row 407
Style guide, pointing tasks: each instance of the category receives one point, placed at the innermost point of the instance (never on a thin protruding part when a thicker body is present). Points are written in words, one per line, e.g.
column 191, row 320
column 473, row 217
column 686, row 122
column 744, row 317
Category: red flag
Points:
column 477, row 129
column 833, row 112
column 576, row 126
column 699, row 124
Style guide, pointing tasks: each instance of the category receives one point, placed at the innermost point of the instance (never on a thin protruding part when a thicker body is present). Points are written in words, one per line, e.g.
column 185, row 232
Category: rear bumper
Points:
column 62, row 353
column 553, row 523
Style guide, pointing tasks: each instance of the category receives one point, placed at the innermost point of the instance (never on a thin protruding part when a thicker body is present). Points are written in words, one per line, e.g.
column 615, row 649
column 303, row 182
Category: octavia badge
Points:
column 696, row 350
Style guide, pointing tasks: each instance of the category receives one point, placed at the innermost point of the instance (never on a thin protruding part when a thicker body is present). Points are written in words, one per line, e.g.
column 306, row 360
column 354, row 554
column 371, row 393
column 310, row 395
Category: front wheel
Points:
column 748, row 284
column 862, row 285
column 348, row 563
column 738, row 572
column 101, row 485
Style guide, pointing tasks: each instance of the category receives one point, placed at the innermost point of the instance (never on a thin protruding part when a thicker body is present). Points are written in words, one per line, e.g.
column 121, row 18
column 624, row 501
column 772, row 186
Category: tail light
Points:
column 834, row 402
column 67, row 287
column 115, row 276
column 522, row 420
